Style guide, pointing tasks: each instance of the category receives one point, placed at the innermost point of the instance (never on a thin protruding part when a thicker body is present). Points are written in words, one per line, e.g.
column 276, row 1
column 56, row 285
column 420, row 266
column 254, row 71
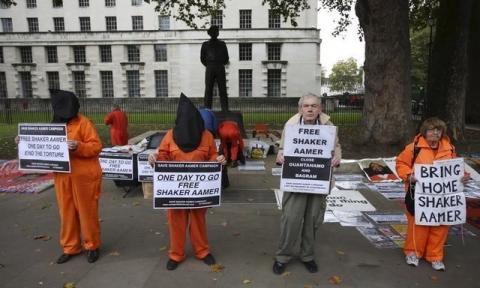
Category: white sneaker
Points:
column 438, row 265
column 412, row 259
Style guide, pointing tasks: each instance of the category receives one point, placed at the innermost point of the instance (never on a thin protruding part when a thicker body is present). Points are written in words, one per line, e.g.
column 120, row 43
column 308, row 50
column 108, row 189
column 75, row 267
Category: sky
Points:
column 341, row 47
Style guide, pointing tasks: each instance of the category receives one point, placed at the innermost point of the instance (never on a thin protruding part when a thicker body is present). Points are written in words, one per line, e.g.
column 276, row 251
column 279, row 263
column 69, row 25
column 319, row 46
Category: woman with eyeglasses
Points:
column 430, row 145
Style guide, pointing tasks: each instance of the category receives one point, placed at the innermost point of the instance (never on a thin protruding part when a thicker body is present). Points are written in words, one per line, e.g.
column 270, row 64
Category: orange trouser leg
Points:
column 69, row 221
column 86, row 194
column 198, row 232
column 234, row 151
column 437, row 237
column 177, row 225
column 417, row 237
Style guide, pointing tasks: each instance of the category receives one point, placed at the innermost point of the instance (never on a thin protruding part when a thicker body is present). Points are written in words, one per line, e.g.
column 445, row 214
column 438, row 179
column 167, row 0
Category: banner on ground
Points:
column 116, row 165
column 348, row 200
column 145, row 170
column 182, row 185
column 43, row 147
column 308, row 153
column 439, row 198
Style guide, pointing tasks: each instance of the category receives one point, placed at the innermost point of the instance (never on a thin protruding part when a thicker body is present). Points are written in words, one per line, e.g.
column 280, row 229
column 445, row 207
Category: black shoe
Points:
column 234, row 164
column 92, row 255
column 209, row 260
column 172, row 264
column 64, row 258
column 279, row 268
column 311, row 266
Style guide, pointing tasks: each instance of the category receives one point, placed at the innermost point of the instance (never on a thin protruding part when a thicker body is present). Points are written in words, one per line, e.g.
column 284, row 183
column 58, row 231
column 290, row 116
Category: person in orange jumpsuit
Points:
column 187, row 141
column 430, row 145
column 231, row 140
column 118, row 122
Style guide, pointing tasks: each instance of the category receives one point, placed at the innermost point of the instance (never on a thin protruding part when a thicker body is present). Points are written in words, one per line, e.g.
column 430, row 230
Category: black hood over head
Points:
column 65, row 105
column 189, row 126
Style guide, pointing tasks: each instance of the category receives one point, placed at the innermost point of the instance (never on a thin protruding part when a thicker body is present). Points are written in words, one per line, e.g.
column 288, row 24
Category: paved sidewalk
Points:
column 243, row 235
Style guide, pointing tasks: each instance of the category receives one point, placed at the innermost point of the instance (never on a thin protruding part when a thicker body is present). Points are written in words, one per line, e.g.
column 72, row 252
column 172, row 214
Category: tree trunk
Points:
column 387, row 107
column 472, row 114
column 448, row 71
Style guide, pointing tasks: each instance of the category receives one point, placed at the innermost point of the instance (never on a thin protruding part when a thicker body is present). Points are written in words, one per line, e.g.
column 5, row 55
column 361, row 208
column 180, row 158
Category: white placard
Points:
column 182, row 185
column 116, row 165
column 308, row 153
column 145, row 170
column 43, row 147
column 439, row 197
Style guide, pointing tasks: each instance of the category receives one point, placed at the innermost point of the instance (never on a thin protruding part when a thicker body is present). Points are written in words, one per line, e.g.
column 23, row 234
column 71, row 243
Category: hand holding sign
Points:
column 72, row 145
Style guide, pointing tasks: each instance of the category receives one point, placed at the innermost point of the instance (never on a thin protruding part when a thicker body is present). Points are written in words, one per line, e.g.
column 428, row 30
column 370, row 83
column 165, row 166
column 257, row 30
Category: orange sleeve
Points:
column 163, row 149
column 404, row 164
column 90, row 144
column 212, row 150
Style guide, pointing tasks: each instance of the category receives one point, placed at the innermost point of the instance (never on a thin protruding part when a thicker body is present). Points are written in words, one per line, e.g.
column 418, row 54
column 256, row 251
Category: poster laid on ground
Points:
column 145, row 170
column 43, row 147
column 377, row 170
column 308, row 153
column 180, row 185
column 348, row 200
column 116, row 166
column 439, row 197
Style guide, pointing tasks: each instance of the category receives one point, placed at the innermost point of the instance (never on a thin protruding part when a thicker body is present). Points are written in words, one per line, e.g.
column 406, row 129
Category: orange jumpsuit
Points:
column 229, row 133
column 178, row 218
column 117, row 119
column 78, row 191
column 427, row 241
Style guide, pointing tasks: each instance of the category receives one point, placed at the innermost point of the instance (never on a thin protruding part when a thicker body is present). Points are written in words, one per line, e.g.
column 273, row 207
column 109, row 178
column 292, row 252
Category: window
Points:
column 32, row 24
column 26, row 54
column 105, row 53
column 274, row 77
column 106, row 78
column 133, row 53
column 7, row 25
column 79, row 83
column 109, row 3
column 111, row 23
column 160, row 52
column 79, row 55
column 245, row 51
column 83, row 3
column 245, row 19
column 1, row 55
column 52, row 56
column 31, row 3
column 26, row 83
column 53, row 80
column 217, row 18
column 161, row 83
column 274, row 51
column 3, row 85
column 133, row 83
column 137, row 22
column 57, row 3
column 245, row 82
column 4, row 5
column 136, row 2
column 273, row 19
column 84, row 23
column 58, row 24
column 163, row 22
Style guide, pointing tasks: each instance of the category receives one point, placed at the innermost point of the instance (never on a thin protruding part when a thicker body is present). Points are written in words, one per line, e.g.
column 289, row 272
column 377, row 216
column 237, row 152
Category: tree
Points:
column 419, row 41
column 345, row 75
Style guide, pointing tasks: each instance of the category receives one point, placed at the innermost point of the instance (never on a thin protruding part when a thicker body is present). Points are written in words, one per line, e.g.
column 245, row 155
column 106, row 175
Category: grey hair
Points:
column 308, row 95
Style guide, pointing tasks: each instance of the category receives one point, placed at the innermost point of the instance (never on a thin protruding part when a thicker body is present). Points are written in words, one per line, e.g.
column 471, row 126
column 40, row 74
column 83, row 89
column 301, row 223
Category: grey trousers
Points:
column 302, row 215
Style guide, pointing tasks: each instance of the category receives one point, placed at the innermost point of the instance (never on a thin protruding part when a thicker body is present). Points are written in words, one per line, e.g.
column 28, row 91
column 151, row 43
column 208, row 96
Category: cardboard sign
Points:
column 116, row 165
column 43, row 147
column 182, row 185
column 145, row 170
column 308, row 153
column 439, row 197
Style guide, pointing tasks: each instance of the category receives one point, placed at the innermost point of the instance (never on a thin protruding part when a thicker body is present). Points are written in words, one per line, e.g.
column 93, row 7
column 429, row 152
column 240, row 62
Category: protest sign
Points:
column 308, row 153
column 348, row 200
column 181, row 185
column 43, row 147
column 145, row 170
column 439, row 197
column 116, row 165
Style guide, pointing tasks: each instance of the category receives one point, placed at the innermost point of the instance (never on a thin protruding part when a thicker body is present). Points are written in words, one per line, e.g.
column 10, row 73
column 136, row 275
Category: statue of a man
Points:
column 214, row 56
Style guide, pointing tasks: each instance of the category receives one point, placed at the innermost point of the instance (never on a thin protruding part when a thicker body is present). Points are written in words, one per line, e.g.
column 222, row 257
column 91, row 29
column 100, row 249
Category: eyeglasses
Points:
column 434, row 131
